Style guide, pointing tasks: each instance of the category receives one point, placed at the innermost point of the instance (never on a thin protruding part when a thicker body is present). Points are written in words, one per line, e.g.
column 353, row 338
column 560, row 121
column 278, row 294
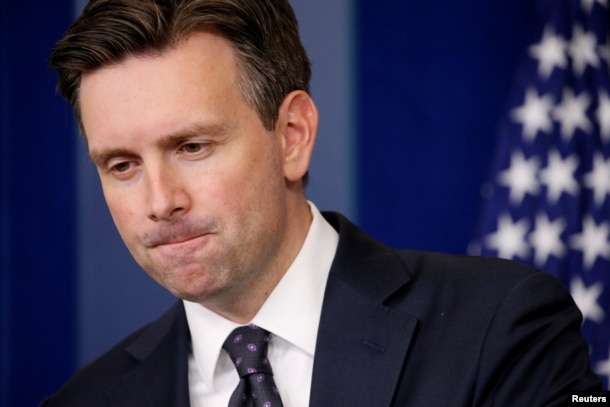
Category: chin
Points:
column 189, row 293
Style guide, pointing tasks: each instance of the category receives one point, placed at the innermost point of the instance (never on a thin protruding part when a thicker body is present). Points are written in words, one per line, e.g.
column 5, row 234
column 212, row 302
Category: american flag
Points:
column 547, row 201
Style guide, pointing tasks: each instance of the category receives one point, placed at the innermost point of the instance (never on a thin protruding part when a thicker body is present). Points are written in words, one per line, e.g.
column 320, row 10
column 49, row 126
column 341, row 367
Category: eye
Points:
column 121, row 167
column 195, row 150
column 192, row 147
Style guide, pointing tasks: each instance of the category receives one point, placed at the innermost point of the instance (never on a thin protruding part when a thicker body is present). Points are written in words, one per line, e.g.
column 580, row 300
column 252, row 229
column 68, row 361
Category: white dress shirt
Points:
column 291, row 313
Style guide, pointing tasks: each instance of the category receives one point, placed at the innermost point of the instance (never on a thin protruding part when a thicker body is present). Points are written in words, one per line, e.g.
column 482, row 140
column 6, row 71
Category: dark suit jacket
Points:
column 398, row 328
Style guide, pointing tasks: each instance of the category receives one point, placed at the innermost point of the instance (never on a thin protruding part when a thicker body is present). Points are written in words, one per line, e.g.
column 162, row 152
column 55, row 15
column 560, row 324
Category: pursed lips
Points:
column 178, row 232
column 176, row 240
column 181, row 248
column 169, row 237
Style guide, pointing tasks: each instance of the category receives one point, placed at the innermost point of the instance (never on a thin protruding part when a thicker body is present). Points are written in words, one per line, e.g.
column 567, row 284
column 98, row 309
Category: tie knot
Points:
column 247, row 348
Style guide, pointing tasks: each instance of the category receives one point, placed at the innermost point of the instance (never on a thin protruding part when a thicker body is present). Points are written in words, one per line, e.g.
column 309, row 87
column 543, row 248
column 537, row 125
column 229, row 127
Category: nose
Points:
column 166, row 196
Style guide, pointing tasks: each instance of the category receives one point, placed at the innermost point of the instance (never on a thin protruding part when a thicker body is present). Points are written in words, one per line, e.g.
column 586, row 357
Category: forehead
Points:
column 199, row 72
column 200, row 53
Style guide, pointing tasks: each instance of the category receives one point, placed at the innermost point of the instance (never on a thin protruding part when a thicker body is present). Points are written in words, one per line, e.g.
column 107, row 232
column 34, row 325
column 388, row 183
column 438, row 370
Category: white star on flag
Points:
column 534, row 114
column 593, row 241
column 586, row 298
column 520, row 177
column 582, row 49
column 571, row 113
column 546, row 239
column 558, row 176
column 550, row 53
column 599, row 179
column 509, row 239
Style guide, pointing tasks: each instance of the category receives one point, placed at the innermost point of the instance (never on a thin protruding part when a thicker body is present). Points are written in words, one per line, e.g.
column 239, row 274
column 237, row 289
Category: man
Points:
column 198, row 118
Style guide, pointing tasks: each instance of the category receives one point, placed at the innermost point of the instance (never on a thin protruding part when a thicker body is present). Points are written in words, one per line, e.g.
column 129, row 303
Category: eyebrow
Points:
column 215, row 131
column 101, row 156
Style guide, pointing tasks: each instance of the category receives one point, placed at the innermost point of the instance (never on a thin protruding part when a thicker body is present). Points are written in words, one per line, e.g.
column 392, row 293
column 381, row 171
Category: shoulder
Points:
column 476, row 284
column 424, row 284
column 500, row 323
column 477, row 273
column 91, row 384
column 451, row 264
column 361, row 260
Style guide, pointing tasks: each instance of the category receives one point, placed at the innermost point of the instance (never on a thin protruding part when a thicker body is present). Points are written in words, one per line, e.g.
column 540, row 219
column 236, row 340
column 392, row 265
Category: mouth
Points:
column 174, row 236
column 177, row 240
column 183, row 247
column 182, row 238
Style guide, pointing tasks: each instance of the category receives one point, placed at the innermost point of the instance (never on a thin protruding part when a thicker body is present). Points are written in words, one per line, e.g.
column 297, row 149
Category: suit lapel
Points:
column 160, row 377
column 362, row 343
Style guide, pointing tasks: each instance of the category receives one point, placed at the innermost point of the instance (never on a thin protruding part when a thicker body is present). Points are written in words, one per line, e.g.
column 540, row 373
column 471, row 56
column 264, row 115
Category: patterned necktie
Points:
column 247, row 347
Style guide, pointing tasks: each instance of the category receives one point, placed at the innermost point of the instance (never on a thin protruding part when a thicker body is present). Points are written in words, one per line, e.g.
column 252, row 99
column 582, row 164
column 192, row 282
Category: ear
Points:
column 297, row 126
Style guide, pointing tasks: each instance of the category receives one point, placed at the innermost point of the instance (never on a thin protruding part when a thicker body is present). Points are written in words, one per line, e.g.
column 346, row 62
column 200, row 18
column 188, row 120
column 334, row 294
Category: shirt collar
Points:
column 292, row 311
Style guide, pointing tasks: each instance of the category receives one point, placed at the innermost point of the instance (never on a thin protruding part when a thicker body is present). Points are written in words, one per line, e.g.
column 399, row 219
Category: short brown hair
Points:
column 272, row 61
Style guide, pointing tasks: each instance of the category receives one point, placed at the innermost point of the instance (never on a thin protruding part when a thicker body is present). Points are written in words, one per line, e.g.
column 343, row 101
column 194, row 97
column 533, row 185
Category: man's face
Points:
column 193, row 180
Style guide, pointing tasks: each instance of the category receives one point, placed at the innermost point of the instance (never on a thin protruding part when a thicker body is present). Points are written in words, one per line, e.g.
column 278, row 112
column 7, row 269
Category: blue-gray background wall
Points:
column 410, row 94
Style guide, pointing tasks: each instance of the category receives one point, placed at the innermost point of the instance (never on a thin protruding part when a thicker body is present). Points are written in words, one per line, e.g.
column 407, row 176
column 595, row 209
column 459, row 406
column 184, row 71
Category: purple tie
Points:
column 247, row 347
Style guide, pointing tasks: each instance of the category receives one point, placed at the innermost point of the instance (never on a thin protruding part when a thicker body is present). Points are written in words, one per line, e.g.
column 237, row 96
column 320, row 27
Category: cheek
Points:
column 230, row 185
column 123, row 212
column 226, row 192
